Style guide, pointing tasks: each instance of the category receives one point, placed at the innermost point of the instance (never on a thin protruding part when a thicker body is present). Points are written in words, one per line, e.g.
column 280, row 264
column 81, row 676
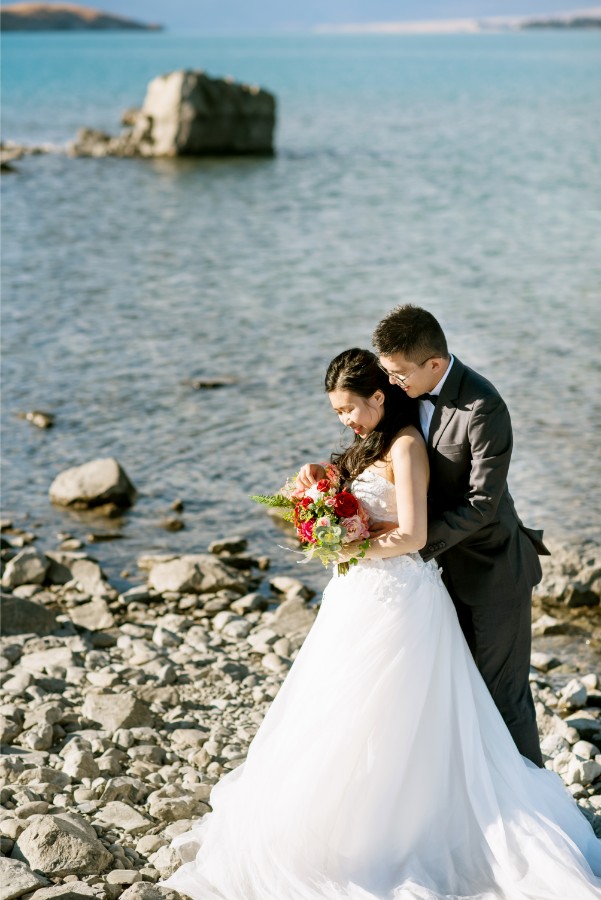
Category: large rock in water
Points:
column 186, row 113
column 93, row 484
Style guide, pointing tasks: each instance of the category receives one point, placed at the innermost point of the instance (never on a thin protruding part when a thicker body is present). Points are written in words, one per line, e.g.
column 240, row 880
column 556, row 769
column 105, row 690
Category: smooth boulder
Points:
column 196, row 574
column 20, row 616
column 114, row 711
column 72, row 890
column 61, row 845
column 27, row 567
column 145, row 891
column 17, row 879
column 94, row 616
column 95, row 483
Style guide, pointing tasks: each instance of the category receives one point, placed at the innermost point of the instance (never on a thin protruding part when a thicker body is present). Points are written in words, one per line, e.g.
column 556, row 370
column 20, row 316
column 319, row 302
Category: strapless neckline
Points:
column 376, row 494
column 375, row 475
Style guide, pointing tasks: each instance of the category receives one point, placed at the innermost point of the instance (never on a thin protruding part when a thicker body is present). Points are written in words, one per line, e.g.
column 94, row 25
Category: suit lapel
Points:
column 445, row 408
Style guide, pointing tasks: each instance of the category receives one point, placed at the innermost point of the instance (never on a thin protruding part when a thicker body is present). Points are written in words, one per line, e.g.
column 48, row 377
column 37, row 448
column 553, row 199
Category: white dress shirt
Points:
column 426, row 408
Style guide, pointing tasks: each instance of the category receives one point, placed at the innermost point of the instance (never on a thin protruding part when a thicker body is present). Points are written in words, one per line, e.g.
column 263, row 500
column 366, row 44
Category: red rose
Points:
column 323, row 485
column 306, row 502
column 345, row 505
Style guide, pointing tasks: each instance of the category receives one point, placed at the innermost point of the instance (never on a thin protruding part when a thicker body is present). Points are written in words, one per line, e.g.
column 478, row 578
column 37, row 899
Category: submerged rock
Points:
column 38, row 418
column 11, row 152
column 234, row 544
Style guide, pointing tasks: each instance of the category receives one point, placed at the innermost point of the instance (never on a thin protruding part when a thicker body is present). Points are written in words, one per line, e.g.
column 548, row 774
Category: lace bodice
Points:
column 376, row 494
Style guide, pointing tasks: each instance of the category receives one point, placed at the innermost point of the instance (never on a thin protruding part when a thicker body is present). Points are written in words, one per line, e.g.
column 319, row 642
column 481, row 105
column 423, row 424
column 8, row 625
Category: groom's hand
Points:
column 309, row 474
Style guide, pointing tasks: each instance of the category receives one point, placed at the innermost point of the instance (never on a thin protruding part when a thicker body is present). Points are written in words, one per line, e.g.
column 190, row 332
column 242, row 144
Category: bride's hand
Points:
column 348, row 552
column 354, row 550
column 309, row 474
column 377, row 529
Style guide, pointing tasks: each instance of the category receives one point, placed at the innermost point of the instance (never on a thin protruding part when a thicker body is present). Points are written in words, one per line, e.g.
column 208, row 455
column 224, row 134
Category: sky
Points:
column 264, row 16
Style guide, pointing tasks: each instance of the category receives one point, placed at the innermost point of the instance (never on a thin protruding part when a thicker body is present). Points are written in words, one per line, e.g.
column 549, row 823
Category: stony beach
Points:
column 120, row 711
column 180, row 313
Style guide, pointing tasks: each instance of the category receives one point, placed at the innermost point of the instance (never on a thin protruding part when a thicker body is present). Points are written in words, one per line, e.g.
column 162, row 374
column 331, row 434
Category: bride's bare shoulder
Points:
column 409, row 453
column 407, row 437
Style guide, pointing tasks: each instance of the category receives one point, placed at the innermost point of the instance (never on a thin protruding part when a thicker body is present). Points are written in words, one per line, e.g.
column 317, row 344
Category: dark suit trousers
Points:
column 499, row 637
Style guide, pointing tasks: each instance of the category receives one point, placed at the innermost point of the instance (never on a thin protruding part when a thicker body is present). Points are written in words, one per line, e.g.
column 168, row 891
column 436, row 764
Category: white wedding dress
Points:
column 383, row 770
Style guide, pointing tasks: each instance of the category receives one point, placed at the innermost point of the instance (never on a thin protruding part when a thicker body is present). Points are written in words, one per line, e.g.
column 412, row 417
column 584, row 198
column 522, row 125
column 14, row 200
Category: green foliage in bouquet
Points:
column 277, row 501
column 274, row 500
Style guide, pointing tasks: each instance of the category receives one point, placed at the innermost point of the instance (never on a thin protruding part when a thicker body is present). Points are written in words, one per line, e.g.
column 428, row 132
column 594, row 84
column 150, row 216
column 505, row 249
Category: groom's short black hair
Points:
column 412, row 331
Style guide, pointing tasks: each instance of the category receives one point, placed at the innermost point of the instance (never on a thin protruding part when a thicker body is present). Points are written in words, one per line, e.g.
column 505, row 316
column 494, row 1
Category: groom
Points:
column 488, row 557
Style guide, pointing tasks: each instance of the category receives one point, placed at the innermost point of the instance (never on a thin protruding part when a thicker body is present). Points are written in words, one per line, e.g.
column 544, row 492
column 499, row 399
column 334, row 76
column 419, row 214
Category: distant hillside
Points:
column 578, row 19
column 64, row 17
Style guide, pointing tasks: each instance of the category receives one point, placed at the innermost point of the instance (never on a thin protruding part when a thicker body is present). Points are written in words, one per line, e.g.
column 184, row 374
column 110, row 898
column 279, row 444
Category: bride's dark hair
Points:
column 357, row 371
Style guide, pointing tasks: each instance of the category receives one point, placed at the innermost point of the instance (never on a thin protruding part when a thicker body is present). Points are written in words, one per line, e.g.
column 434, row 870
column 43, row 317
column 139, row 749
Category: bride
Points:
column 383, row 770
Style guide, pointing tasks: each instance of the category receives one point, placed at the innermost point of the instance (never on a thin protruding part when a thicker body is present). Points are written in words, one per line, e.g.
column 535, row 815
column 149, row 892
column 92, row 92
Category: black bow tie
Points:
column 433, row 398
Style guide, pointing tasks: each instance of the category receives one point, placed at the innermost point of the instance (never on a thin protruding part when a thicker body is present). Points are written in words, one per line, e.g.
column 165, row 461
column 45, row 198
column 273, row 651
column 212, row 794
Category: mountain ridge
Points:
column 65, row 17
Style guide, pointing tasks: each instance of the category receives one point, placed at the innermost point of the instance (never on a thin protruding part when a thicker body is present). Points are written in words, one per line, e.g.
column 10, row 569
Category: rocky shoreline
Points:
column 120, row 711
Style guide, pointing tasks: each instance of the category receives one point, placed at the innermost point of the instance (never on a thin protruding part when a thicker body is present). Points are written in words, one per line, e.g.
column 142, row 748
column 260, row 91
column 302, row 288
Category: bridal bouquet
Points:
column 325, row 516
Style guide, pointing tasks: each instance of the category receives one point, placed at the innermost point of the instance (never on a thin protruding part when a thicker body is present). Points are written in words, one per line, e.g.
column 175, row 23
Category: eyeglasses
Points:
column 401, row 379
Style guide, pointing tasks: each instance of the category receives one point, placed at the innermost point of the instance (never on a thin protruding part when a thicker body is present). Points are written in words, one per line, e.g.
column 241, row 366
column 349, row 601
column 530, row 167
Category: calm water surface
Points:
column 460, row 173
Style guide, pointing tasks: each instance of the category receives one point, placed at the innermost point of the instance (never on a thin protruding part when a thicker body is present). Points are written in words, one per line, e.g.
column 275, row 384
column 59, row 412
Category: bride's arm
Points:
column 410, row 467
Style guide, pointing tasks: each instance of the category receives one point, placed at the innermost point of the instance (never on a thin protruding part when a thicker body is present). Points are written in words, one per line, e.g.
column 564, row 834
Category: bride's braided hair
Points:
column 358, row 371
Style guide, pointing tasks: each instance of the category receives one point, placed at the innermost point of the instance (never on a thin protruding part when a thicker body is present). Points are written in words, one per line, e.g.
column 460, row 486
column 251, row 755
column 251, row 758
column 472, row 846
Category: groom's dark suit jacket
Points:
column 474, row 531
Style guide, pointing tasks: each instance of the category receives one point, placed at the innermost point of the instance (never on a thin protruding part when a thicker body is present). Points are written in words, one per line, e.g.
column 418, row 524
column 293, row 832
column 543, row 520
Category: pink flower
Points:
column 305, row 531
column 323, row 522
column 356, row 529
column 331, row 501
column 332, row 473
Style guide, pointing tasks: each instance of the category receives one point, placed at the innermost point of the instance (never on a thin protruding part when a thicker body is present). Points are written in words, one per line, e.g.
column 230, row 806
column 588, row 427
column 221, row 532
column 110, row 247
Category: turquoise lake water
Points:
column 461, row 173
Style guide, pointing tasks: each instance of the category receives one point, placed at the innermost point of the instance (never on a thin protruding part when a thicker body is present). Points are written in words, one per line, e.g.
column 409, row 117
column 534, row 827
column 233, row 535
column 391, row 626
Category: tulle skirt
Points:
column 384, row 771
